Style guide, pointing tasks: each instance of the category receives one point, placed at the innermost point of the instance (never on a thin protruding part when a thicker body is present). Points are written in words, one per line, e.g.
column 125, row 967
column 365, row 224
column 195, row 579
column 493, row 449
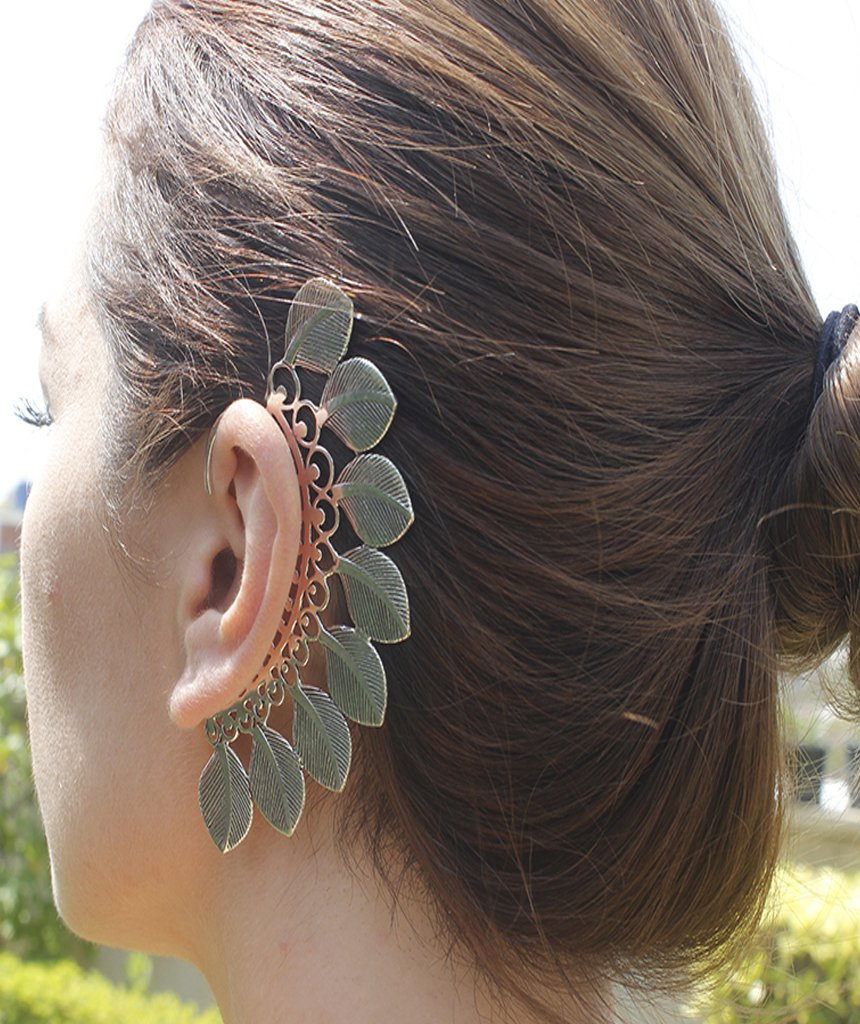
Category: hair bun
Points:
column 814, row 527
column 834, row 336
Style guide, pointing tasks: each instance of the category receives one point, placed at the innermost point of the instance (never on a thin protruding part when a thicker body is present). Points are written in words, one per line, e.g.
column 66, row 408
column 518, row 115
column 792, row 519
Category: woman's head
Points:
column 560, row 227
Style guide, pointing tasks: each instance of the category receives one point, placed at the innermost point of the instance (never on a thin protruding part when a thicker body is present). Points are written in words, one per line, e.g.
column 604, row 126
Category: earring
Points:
column 357, row 405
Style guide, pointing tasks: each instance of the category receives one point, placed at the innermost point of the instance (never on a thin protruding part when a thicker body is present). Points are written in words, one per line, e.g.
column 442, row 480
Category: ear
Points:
column 238, row 566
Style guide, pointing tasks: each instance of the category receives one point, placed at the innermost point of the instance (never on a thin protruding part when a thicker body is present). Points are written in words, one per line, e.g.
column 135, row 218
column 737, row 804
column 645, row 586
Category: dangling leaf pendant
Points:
column 358, row 406
column 225, row 798
column 277, row 783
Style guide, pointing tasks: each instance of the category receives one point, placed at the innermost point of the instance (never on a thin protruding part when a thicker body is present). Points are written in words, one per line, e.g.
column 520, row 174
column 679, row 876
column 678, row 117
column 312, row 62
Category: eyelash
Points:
column 33, row 415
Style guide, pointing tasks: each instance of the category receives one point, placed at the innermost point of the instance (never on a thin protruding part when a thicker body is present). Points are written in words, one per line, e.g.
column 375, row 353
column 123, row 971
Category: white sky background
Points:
column 59, row 60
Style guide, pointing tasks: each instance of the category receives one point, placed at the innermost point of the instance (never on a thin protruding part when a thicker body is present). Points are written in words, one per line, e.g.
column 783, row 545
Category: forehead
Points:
column 72, row 359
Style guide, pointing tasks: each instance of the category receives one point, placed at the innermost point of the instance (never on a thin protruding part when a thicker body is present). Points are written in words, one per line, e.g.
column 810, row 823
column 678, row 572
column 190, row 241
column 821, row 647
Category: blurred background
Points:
column 59, row 60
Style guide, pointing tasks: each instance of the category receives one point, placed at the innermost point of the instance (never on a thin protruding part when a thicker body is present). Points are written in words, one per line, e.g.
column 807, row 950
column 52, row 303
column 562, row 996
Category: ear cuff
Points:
column 358, row 406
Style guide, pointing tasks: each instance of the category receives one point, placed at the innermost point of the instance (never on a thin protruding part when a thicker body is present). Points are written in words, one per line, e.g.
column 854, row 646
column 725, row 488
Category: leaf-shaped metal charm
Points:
column 373, row 494
column 375, row 594
column 356, row 676
column 321, row 736
column 359, row 403
column 319, row 324
column 277, row 780
column 225, row 798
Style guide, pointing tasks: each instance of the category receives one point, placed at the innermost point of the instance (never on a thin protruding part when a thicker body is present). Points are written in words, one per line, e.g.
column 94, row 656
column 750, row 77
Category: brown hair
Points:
column 560, row 225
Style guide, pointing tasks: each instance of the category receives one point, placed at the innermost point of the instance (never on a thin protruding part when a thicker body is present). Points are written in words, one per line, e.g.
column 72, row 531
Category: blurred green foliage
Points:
column 806, row 967
column 29, row 925
column 63, row 993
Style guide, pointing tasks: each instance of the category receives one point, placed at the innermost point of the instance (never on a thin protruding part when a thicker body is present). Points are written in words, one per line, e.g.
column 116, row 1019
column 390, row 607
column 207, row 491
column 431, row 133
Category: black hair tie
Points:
column 834, row 334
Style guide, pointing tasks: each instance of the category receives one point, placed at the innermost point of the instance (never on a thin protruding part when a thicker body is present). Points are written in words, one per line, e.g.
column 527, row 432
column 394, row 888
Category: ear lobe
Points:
column 239, row 563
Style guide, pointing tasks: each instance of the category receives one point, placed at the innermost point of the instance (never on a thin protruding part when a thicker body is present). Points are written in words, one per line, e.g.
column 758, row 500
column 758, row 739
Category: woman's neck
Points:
column 304, row 940
column 294, row 936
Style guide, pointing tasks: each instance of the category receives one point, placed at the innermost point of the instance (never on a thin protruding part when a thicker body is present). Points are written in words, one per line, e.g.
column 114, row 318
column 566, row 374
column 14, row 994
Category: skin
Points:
column 128, row 648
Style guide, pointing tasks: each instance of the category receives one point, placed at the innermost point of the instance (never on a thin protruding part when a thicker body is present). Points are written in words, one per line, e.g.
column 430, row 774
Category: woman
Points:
column 559, row 230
